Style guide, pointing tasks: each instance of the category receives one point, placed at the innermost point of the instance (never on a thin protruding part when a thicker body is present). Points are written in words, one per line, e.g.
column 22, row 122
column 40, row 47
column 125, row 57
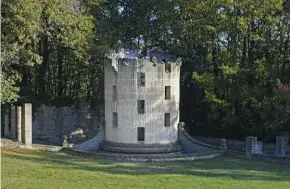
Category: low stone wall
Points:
column 236, row 145
column 51, row 123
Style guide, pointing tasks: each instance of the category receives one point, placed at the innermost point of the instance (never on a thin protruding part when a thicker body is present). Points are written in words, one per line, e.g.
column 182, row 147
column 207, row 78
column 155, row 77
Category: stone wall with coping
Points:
column 51, row 123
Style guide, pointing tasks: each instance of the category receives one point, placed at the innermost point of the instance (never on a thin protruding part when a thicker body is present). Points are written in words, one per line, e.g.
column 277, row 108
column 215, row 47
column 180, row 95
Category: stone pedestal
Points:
column 250, row 146
column 223, row 145
column 18, row 123
column 27, row 124
column 6, row 125
column 65, row 143
column 140, row 148
column 281, row 145
column 13, row 121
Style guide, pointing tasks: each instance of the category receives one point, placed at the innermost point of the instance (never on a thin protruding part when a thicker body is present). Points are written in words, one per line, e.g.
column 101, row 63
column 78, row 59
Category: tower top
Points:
column 155, row 55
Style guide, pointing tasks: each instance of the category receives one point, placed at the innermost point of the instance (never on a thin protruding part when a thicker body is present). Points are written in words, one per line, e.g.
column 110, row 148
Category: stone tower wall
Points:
column 128, row 92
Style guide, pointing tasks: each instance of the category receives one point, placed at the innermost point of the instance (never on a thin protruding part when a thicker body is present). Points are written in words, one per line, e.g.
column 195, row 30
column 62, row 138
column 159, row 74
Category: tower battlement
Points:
column 133, row 57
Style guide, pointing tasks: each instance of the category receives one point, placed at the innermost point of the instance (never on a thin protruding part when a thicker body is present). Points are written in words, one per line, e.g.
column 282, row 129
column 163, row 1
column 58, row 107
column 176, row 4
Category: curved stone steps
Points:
column 146, row 157
column 191, row 145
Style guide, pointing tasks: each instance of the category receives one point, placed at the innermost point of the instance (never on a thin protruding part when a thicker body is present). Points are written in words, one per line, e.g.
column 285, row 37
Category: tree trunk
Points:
column 60, row 73
column 43, row 69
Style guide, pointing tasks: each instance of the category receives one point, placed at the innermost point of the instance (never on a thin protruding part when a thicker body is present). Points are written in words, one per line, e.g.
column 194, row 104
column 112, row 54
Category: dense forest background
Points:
column 236, row 56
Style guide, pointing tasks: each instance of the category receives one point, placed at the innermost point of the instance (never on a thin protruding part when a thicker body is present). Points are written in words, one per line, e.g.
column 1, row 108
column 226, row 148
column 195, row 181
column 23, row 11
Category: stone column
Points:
column 223, row 145
column 6, row 125
column 250, row 146
column 18, row 123
column 13, row 121
column 27, row 124
column 281, row 145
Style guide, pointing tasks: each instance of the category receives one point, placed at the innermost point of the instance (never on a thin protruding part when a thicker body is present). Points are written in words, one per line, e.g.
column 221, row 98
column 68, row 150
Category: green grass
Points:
column 37, row 169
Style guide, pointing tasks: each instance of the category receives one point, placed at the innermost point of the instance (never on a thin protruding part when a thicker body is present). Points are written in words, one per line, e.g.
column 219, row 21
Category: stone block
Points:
column 250, row 146
column 259, row 148
column 27, row 124
column 13, row 121
column 223, row 145
column 6, row 125
column 281, row 145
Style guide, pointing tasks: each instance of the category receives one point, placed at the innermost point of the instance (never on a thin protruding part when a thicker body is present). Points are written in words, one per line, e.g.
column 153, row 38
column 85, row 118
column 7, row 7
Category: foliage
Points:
column 276, row 108
column 52, row 53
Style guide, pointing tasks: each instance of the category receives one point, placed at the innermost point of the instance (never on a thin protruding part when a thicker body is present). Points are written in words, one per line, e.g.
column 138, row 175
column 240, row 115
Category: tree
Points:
column 20, row 22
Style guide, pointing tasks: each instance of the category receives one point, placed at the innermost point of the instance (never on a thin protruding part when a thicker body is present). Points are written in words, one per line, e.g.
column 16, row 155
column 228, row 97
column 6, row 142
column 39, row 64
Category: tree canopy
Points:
column 233, row 53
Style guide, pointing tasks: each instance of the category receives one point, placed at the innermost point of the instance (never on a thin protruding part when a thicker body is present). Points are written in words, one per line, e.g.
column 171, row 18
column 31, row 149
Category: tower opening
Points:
column 114, row 93
column 167, row 92
column 141, row 133
column 115, row 119
column 141, row 79
column 167, row 119
column 141, row 106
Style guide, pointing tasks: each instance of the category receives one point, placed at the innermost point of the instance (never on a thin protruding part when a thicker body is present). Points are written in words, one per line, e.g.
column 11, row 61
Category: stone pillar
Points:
column 223, row 145
column 27, row 124
column 18, row 123
column 281, row 145
column 6, row 125
column 13, row 121
column 250, row 146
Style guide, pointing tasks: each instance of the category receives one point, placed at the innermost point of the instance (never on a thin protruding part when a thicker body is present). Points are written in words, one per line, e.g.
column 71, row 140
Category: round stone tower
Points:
column 141, row 102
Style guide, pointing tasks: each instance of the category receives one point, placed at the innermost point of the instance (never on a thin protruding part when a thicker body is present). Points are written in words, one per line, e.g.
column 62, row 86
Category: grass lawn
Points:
column 38, row 169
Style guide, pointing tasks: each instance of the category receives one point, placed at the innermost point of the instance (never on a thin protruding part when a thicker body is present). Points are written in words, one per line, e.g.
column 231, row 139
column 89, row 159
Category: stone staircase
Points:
column 144, row 157
column 190, row 145
column 92, row 144
column 192, row 150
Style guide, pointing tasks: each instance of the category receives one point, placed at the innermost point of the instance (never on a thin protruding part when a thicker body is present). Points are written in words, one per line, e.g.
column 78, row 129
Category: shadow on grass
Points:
column 226, row 167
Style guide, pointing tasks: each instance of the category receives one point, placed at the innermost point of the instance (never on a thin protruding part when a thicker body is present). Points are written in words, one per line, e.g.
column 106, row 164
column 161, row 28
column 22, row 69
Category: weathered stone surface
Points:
column 79, row 124
column 18, row 123
column 13, row 121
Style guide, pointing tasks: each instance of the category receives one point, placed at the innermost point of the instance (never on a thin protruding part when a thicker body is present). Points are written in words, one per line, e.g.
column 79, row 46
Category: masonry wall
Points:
column 268, row 148
column 129, row 92
column 79, row 124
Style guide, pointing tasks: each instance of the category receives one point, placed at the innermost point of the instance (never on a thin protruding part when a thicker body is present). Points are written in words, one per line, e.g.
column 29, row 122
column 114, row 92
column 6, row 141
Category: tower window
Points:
column 141, row 79
column 167, row 92
column 141, row 133
column 167, row 119
column 115, row 119
column 141, row 106
column 114, row 93
column 167, row 67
